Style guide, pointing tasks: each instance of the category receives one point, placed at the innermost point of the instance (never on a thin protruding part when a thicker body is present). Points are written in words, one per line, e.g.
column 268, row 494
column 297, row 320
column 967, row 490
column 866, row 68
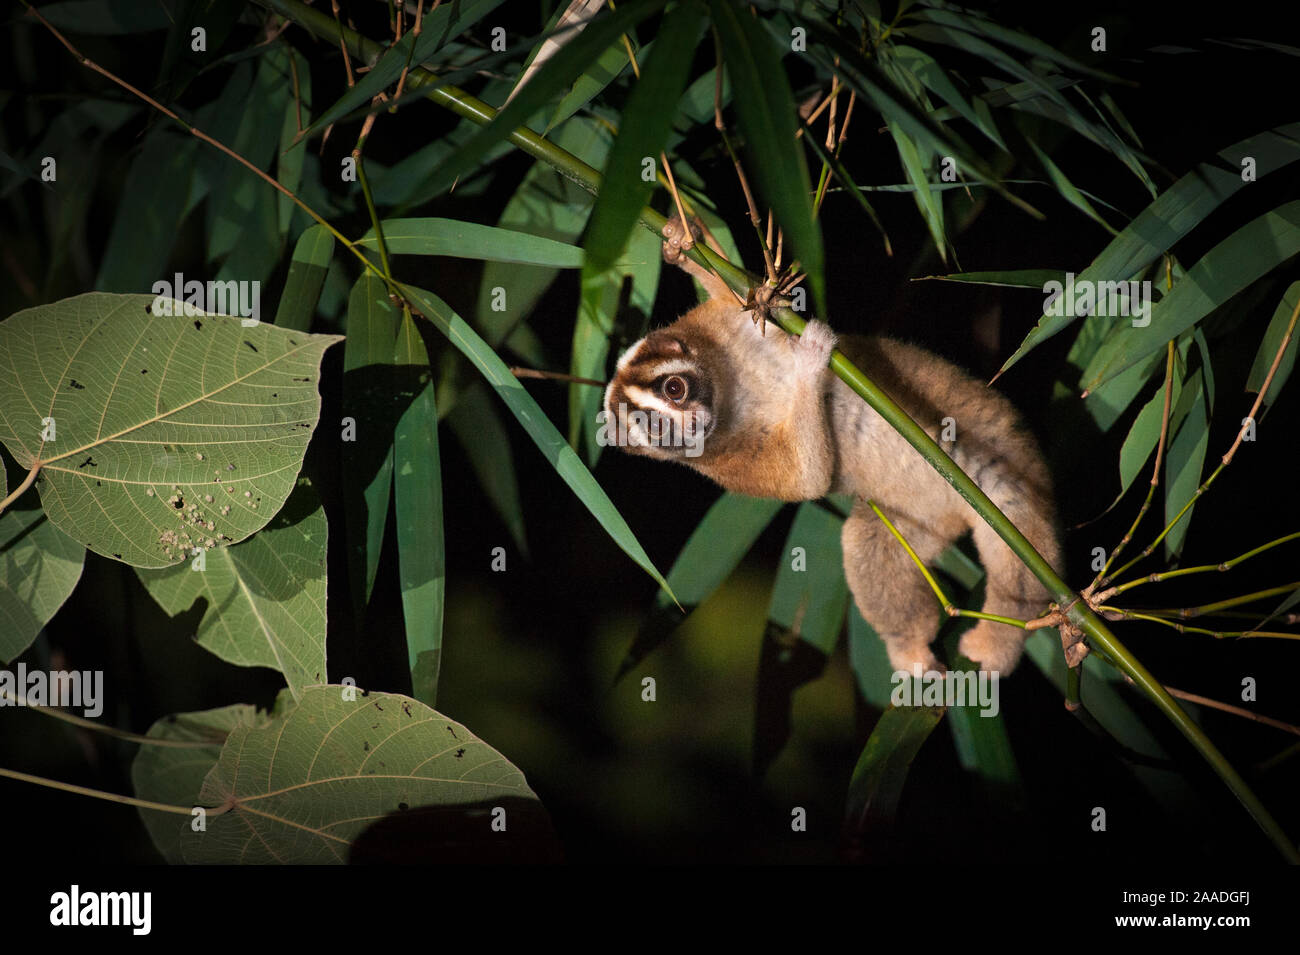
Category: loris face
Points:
column 661, row 400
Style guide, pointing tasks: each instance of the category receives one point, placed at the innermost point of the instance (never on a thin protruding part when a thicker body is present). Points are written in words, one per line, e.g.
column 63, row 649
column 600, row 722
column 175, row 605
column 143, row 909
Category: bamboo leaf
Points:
column 1185, row 461
column 561, row 457
column 601, row 31
column 370, row 396
column 766, row 113
column 1173, row 214
column 469, row 240
column 722, row 538
column 643, row 132
column 1227, row 269
column 1014, row 278
column 880, row 774
column 804, row 620
column 869, row 660
column 417, row 487
column 1277, row 327
column 307, row 271
column 440, row 24
column 477, row 425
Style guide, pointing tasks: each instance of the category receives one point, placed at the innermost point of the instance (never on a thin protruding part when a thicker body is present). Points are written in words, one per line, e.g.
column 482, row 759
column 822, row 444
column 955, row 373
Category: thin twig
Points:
column 555, row 376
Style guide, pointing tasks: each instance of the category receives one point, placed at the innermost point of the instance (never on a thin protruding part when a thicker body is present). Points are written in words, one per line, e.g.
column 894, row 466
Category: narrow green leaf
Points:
column 1184, row 463
column 290, row 158
column 1145, row 433
column 417, row 486
column 974, row 22
column 804, row 620
column 1272, row 342
column 139, row 246
column 1173, row 214
column 477, row 424
column 371, row 397
column 561, row 457
column 242, row 218
column 608, row 67
column 716, row 546
column 440, row 24
column 928, row 71
column 1013, row 278
column 307, row 271
column 869, row 661
column 928, row 201
column 766, row 113
column 106, row 17
column 1224, row 271
column 810, row 592
column 881, row 772
column 643, row 131
column 1068, row 190
column 544, row 204
column 469, row 240
column 599, row 33
column 979, row 730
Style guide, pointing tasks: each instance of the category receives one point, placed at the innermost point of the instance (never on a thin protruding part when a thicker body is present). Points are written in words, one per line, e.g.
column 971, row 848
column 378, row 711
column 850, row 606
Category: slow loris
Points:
column 763, row 415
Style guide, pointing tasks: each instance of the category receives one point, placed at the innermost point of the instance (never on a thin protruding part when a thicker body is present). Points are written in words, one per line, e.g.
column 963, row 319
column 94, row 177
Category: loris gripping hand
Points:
column 761, row 414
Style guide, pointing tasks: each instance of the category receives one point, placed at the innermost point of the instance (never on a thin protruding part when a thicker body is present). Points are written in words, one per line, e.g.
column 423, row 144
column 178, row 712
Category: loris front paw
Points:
column 678, row 237
column 813, row 349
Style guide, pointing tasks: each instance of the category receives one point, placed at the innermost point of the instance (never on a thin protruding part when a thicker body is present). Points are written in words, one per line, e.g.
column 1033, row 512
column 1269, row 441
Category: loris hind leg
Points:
column 1011, row 590
column 887, row 585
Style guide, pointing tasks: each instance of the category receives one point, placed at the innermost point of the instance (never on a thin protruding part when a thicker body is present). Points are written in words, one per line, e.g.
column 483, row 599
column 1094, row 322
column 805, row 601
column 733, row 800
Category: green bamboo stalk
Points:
column 1075, row 610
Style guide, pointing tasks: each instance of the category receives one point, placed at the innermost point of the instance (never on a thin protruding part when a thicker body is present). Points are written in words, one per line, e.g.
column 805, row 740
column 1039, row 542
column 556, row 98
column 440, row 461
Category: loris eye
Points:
column 674, row 388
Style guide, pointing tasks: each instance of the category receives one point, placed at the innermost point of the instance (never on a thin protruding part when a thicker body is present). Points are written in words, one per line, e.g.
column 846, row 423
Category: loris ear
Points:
column 676, row 240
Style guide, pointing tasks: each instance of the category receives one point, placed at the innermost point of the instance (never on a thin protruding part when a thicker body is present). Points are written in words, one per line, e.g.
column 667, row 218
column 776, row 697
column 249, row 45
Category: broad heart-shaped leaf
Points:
column 156, row 433
column 39, row 567
column 174, row 774
column 265, row 597
column 306, row 786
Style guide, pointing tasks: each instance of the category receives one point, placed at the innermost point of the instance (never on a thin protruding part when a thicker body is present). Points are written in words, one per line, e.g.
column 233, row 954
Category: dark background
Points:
column 530, row 654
